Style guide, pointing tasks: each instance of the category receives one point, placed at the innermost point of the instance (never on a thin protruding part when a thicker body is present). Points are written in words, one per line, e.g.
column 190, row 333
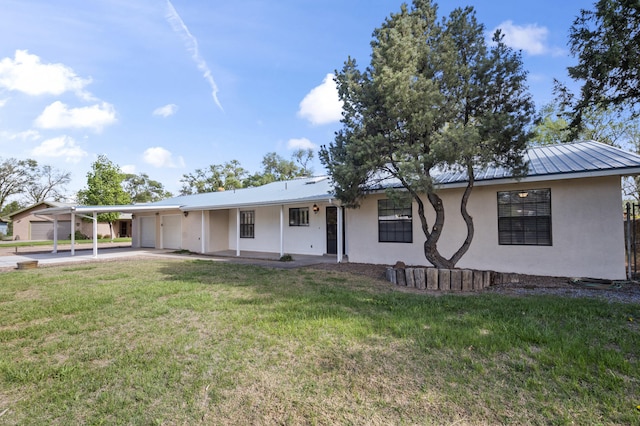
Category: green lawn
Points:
column 199, row 342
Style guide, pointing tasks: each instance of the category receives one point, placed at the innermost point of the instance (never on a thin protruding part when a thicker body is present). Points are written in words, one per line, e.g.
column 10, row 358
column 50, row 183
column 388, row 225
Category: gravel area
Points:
column 625, row 292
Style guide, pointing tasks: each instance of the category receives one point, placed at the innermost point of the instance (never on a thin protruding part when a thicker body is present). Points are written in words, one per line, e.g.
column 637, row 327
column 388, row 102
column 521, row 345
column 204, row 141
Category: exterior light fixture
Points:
column 186, row 214
column 523, row 194
column 316, row 209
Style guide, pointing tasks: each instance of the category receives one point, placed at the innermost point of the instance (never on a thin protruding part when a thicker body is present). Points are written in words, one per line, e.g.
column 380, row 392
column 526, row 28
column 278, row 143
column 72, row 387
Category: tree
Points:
column 142, row 189
column 47, row 183
column 217, row 177
column 276, row 168
column 605, row 41
column 15, row 176
column 104, row 188
column 600, row 125
column 434, row 96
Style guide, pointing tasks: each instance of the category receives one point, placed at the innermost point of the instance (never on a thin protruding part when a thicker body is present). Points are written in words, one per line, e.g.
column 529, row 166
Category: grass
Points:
column 199, row 342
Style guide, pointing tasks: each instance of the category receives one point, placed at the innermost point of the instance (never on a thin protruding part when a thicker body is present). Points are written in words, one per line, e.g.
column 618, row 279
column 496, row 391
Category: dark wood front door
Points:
column 332, row 230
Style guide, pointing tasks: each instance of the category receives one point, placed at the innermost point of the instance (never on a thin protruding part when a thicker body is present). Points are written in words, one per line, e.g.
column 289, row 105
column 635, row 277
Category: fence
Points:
column 631, row 230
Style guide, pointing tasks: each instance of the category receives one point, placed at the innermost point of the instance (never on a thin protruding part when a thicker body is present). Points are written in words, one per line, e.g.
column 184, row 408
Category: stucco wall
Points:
column 297, row 239
column 587, row 232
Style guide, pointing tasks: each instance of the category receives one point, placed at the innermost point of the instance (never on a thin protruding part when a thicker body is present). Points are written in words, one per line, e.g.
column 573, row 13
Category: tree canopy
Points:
column 15, row 177
column 434, row 96
column 216, row 177
column 104, row 188
column 142, row 189
column 605, row 41
column 47, row 183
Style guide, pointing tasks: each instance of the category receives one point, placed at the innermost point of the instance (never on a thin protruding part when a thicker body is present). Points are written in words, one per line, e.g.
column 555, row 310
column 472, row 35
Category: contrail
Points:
column 192, row 47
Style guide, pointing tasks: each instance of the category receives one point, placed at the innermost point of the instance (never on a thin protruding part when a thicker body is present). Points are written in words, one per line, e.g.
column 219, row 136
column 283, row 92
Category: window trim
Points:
column 520, row 229
column 298, row 216
column 403, row 223
column 247, row 230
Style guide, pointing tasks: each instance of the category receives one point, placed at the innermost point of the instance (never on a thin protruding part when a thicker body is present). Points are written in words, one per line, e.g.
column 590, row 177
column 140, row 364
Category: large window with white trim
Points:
column 395, row 222
column 524, row 217
column 299, row 216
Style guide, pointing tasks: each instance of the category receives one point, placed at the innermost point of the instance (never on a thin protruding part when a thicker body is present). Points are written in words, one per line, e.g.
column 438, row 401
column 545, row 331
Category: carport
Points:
column 91, row 213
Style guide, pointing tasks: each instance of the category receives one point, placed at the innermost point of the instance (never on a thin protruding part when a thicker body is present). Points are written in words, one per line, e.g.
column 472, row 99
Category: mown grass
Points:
column 199, row 342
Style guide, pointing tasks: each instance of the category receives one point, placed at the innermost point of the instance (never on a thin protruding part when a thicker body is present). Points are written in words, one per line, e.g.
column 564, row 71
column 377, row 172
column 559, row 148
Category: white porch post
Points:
column 202, row 235
column 73, row 233
column 339, row 230
column 281, row 230
column 55, row 234
column 238, row 231
column 95, row 234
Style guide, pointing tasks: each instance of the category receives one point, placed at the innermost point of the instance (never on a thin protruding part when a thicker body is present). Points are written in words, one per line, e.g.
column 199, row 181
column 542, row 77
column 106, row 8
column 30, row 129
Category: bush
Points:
column 79, row 236
column 286, row 258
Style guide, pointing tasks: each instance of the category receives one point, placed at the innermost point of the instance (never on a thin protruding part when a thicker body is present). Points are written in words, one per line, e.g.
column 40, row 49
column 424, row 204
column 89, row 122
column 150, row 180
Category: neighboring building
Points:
column 29, row 224
column 563, row 219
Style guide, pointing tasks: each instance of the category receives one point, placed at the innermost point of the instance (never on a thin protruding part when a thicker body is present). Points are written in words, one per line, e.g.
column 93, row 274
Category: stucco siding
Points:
column 587, row 232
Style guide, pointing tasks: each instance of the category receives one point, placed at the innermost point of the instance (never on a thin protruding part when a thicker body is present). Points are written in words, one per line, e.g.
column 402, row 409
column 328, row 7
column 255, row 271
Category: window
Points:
column 394, row 221
column 524, row 217
column 247, row 224
column 299, row 216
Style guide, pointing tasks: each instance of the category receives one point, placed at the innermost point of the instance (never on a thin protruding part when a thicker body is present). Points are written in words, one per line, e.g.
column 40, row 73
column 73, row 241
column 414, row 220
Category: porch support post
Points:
column 202, row 235
column 73, row 233
column 55, row 234
column 339, row 253
column 95, row 234
column 281, row 230
column 238, row 231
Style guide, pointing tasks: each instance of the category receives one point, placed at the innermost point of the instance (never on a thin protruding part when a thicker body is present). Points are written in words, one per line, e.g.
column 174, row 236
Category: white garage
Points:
column 171, row 231
column 147, row 231
column 43, row 230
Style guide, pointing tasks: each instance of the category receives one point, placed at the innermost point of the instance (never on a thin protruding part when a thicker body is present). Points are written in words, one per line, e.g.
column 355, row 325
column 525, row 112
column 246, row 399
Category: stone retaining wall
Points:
column 447, row 279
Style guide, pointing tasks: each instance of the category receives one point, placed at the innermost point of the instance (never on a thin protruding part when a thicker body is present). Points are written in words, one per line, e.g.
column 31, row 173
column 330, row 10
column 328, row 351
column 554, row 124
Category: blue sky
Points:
column 166, row 87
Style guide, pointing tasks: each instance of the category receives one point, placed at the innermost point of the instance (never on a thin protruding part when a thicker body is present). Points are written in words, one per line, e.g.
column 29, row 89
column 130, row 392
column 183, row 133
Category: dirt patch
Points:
column 625, row 292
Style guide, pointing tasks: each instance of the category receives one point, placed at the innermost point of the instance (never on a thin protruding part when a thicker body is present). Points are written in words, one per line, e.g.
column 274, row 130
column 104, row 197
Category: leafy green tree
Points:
column 47, row 183
column 605, row 41
column 142, row 189
column 600, row 125
column 15, row 177
column 276, row 168
column 217, row 177
column 9, row 208
column 104, row 188
column 435, row 96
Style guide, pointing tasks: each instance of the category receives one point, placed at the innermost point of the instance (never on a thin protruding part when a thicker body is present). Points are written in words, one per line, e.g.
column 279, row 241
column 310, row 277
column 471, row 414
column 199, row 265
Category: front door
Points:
column 332, row 230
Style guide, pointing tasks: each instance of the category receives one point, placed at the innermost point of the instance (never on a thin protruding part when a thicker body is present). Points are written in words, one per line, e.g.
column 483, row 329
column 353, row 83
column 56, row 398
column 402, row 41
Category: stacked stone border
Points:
column 447, row 279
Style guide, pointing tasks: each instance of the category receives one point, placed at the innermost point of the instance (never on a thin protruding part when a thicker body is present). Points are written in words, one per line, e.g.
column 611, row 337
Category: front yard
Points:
column 198, row 342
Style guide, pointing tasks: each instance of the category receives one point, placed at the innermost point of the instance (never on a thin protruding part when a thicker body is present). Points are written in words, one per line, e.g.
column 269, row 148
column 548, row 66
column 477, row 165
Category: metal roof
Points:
column 275, row 193
column 565, row 161
column 562, row 161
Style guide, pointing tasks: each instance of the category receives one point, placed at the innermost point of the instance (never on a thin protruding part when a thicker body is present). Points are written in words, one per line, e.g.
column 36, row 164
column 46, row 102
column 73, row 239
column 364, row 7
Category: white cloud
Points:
column 62, row 146
column 322, row 104
column 59, row 116
column 27, row 135
column 160, row 157
column 128, row 168
column 25, row 73
column 191, row 42
column 530, row 38
column 301, row 143
column 166, row 111
column 3, row 102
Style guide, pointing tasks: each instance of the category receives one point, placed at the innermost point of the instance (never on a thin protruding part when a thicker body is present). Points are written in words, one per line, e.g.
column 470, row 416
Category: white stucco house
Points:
column 563, row 219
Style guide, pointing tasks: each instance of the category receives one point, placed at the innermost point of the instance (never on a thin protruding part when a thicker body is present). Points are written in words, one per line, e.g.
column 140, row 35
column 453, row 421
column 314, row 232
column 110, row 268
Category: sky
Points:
column 165, row 87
